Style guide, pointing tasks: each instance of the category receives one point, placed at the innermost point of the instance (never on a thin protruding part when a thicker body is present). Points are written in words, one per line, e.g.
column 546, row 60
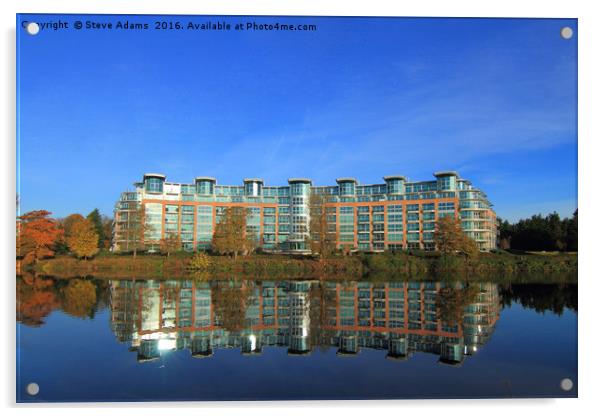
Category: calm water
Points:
column 132, row 340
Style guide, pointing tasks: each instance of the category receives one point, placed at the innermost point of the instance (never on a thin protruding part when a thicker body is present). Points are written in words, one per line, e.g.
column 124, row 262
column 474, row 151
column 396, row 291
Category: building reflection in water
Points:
column 398, row 317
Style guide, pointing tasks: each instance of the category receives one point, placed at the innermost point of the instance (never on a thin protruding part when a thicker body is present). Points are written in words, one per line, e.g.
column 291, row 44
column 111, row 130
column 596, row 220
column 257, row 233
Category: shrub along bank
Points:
column 355, row 266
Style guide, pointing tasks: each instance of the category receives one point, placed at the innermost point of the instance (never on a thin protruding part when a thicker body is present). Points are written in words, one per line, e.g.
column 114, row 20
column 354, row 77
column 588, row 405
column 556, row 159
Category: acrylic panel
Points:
column 295, row 208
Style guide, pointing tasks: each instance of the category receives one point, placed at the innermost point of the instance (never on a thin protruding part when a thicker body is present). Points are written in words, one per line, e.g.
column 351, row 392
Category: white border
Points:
column 590, row 135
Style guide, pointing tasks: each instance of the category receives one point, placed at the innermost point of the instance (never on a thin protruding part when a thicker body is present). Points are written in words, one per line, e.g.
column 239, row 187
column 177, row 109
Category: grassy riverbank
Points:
column 413, row 264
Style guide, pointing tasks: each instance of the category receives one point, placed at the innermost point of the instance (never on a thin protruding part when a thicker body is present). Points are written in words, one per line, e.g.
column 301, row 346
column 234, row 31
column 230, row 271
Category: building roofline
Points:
column 245, row 180
column 154, row 175
column 205, row 178
column 446, row 173
column 386, row 178
column 305, row 180
column 347, row 179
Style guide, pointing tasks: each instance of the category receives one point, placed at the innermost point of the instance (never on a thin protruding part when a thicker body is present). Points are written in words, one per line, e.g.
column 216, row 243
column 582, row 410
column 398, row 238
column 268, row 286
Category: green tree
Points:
column 321, row 241
column 107, row 226
column 505, row 230
column 96, row 219
column 83, row 239
column 230, row 236
column 571, row 233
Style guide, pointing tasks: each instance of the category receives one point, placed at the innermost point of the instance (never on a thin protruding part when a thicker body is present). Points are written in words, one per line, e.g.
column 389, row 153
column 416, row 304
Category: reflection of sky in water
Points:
column 524, row 353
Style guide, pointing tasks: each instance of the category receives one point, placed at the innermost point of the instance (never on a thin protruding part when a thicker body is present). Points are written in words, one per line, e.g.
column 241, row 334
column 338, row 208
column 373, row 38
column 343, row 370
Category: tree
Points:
column 571, row 233
column 37, row 235
column 230, row 236
column 548, row 233
column 505, row 232
column 69, row 222
column 107, row 226
column 136, row 230
column 170, row 244
column 321, row 240
column 61, row 246
column 83, row 239
column 95, row 218
column 449, row 238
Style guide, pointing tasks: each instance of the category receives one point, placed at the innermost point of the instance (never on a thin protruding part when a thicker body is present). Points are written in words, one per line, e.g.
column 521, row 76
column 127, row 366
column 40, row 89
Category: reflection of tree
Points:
column 451, row 303
column 79, row 298
column 321, row 299
column 542, row 297
column 36, row 298
column 230, row 300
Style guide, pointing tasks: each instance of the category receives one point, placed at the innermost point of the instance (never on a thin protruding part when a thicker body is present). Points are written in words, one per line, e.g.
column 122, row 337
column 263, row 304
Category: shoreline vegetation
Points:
column 543, row 266
column 79, row 246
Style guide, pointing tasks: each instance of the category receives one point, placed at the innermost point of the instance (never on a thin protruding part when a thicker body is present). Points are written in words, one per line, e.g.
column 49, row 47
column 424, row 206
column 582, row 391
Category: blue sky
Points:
column 494, row 99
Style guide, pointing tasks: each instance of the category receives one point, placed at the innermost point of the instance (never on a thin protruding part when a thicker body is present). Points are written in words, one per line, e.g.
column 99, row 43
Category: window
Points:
column 363, row 218
column 392, row 227
column 363, row 209
column 428, row 226
column 346, row 210
column 204, row 209
column 154, row 185
column 395, row 237
column 346, row 228
column 428, row 216
column 446, row 206
column 413, row 216
column 394, row 218
column 394, row 208
column 412, row 207
column 378, row 217
column 378, row 208
column 347, row 188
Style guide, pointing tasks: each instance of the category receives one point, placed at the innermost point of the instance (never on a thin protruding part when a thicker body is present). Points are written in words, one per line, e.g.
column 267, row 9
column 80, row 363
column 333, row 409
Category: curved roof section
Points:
column 294, row 180
column 339, row 180
column 205, row 178
column 154, row 175
column 446, row 173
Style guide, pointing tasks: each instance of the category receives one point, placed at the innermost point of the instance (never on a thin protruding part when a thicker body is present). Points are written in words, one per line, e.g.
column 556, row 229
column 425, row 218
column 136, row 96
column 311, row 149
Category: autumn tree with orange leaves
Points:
column 83, row 239
column 170, row 244
column 36, row 235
